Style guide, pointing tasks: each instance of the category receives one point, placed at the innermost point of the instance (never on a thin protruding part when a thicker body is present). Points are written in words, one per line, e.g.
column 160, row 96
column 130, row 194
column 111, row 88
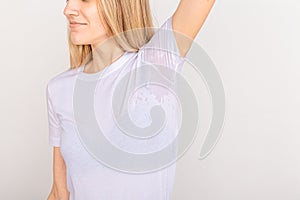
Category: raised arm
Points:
column 59, row 188
column 188, row 19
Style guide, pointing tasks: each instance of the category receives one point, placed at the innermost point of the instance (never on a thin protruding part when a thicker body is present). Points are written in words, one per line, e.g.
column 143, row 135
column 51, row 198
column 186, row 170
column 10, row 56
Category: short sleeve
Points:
column 54, row 128
column 162, row 49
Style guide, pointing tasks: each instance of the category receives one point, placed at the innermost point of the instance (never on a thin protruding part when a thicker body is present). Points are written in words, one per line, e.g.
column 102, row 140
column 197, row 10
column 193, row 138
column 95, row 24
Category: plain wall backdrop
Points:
column 255, row 46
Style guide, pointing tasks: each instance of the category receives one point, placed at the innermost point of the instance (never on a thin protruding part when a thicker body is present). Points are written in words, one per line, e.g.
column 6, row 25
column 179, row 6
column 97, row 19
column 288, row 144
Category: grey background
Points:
column 254, row 46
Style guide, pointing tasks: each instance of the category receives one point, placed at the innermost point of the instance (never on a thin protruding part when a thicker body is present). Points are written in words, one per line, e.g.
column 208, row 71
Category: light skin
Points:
column 59, row 189
column 188, row 19
column 89, row 29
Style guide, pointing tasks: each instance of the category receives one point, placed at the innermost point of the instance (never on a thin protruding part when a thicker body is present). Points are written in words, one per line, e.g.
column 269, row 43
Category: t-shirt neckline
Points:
column 106, row 70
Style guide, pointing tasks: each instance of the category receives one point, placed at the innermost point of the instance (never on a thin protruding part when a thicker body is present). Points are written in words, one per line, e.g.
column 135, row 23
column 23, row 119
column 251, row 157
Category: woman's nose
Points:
column 71, row 8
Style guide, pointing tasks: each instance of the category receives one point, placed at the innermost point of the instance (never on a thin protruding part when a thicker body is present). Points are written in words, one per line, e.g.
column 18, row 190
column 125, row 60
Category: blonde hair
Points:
column 120, row 18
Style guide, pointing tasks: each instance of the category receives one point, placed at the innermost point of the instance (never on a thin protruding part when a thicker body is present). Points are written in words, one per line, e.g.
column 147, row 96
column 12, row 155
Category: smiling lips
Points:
column 75, row 24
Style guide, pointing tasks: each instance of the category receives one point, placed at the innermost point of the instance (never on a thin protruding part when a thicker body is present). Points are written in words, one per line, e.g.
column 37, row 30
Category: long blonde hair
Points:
column 119, row 17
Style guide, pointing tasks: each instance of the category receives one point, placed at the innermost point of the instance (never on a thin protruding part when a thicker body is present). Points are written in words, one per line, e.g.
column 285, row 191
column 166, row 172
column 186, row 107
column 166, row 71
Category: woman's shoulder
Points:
column 62, row 79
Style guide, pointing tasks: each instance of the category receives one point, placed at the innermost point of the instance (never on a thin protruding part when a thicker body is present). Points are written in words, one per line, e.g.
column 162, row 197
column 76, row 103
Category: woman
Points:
column 93, row 53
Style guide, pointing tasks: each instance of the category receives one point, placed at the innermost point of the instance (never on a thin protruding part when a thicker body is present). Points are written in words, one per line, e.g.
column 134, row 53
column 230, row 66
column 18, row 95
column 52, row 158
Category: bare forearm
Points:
column 59, row 188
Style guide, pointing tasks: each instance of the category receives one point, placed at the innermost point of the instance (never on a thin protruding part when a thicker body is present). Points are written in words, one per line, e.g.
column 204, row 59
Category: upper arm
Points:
column 188, row 19
column 54, row 127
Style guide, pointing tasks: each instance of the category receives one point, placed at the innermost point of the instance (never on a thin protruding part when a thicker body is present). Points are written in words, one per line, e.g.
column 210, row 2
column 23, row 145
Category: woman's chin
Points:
column 77, row 41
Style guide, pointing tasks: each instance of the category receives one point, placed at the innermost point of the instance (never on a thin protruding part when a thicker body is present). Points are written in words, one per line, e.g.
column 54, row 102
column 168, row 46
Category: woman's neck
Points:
column 104, row 54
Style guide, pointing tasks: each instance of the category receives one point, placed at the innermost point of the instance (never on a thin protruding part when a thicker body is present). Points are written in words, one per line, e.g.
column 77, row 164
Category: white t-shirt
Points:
column 87, row 178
